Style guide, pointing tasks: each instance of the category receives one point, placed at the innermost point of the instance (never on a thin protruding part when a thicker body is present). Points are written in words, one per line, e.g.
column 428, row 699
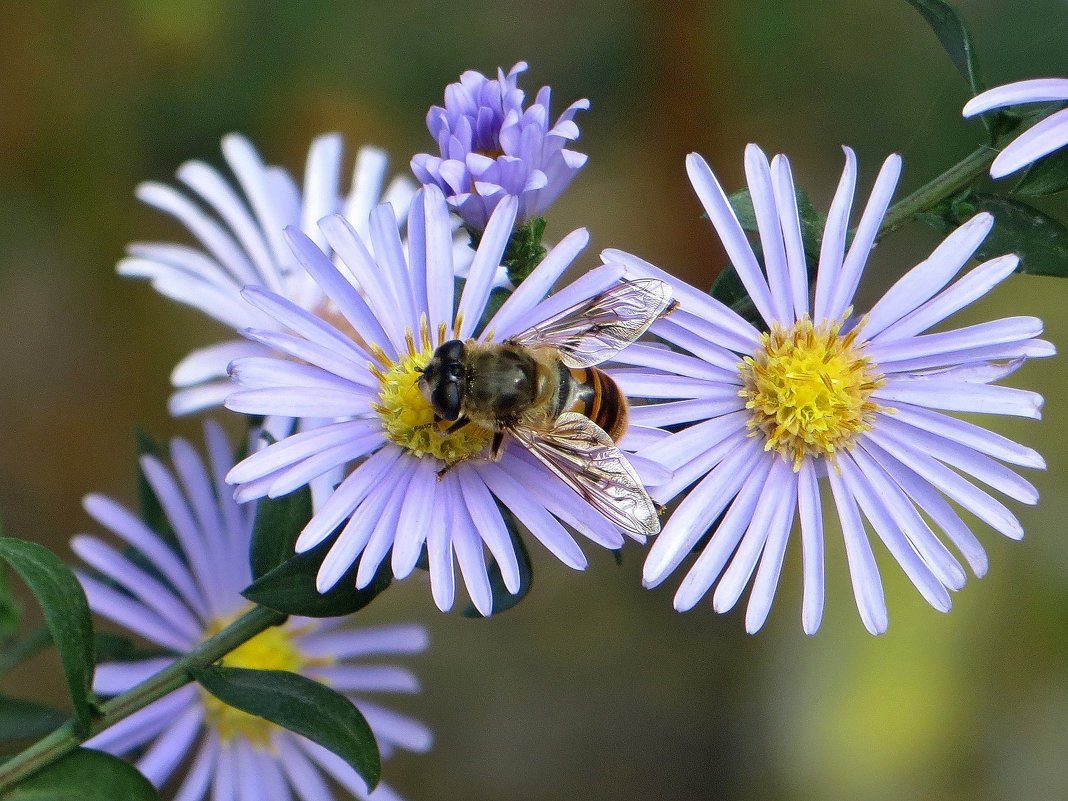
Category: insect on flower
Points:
column 541, row 387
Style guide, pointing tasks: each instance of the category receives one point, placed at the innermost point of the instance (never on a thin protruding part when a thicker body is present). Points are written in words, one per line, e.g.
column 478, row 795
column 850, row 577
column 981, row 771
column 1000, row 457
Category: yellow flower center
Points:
column 408, row 417
column 273, row 649
column 808, row 390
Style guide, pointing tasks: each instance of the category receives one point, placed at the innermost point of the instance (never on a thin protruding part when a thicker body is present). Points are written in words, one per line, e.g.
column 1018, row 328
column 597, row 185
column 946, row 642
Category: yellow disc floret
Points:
column 272, row 649
column 408, row 417
column 808, row 389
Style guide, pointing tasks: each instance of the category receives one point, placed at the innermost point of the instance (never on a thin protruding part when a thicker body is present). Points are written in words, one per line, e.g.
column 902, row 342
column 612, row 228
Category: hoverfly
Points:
column 540, row 387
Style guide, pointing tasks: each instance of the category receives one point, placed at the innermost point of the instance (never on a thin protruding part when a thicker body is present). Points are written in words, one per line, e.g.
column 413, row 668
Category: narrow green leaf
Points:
column 303, row 706
column 278, row 524
column 290, row 587
column 502, row 599
column 23, row 720
column 10, row 612
column 84, row 775
column 1045, row 177
column 66, row 613
column 954, row 37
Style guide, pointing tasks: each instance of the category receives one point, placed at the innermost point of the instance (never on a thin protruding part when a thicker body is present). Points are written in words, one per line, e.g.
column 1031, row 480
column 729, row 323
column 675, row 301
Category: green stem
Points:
column 941, row 188
column 66, row 738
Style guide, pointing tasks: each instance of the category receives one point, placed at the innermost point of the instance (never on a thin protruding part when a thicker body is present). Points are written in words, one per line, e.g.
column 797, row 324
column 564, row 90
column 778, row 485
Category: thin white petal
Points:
column 970, row 435
column 810, row 511
column 796, row 261
column 1036, row 90
column 970, row 288
column 934, row 505
column 767, row 577
column 832, row 249
column 699, row 510
column 1039, row 140
column 962, row 397
column 773, row 513
column 863, row 572
column 990, row 511
column 864, row 237
column 762, row 194
column 484, row 267
column 929, row 277
column 887, row 528
column 962, row 457
column 719, row 210
column 347, row 496
column 709, row 564
column 903, row 514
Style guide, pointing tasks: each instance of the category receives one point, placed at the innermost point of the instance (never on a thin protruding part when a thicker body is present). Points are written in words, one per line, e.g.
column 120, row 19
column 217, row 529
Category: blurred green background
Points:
column 593, row 687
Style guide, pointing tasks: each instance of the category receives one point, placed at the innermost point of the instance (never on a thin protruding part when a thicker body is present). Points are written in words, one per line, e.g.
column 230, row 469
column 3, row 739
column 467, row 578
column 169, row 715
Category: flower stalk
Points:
column 945, row 186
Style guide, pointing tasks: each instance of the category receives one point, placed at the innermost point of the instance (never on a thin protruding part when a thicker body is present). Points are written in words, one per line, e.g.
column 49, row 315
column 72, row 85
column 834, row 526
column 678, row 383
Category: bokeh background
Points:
column 593, row 687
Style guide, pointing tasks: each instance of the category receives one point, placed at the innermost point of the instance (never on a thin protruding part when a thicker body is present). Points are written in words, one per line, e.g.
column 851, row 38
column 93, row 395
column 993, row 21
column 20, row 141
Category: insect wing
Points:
column 586, row 459
column 594, row 330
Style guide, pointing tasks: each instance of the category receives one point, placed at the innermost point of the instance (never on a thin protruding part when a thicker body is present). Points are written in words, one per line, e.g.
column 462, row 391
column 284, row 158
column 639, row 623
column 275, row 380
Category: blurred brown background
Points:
column 593, row 687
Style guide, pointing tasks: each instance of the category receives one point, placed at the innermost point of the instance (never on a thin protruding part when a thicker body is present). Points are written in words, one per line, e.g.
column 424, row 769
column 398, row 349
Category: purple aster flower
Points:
column 855, row 401
column 396, row 497
column 1042, row 138
column 492, row 148
column 190, row 592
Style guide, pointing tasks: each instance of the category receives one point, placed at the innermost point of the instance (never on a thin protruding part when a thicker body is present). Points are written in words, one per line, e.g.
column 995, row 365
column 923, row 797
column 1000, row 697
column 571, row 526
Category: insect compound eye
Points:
column 446, row 399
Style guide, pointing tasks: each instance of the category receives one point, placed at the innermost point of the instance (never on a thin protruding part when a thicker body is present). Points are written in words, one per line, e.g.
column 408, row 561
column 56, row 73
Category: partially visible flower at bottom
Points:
column 1042, row 138
column 827, row 395
column 176, row 599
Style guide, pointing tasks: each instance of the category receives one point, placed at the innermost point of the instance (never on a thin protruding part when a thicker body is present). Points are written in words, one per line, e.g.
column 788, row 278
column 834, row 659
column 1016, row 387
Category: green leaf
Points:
column 954, row 37
column 1045, row 177
column 303, row 706
column 23, row 720
column 1040, row 241
column 502, row 599
column 290, row 587
column 278, row 524
column 66, row 613
column 84, row 775
column 10, row 611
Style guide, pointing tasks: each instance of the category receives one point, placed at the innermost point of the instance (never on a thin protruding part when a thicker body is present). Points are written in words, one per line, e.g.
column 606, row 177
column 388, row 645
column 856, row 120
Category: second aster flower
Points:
column 395, row 496
column 491, row 147
column 825, row 395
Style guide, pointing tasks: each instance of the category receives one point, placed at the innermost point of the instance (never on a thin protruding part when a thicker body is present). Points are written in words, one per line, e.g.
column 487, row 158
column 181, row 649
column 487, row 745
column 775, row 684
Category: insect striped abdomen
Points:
column 599, row 398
